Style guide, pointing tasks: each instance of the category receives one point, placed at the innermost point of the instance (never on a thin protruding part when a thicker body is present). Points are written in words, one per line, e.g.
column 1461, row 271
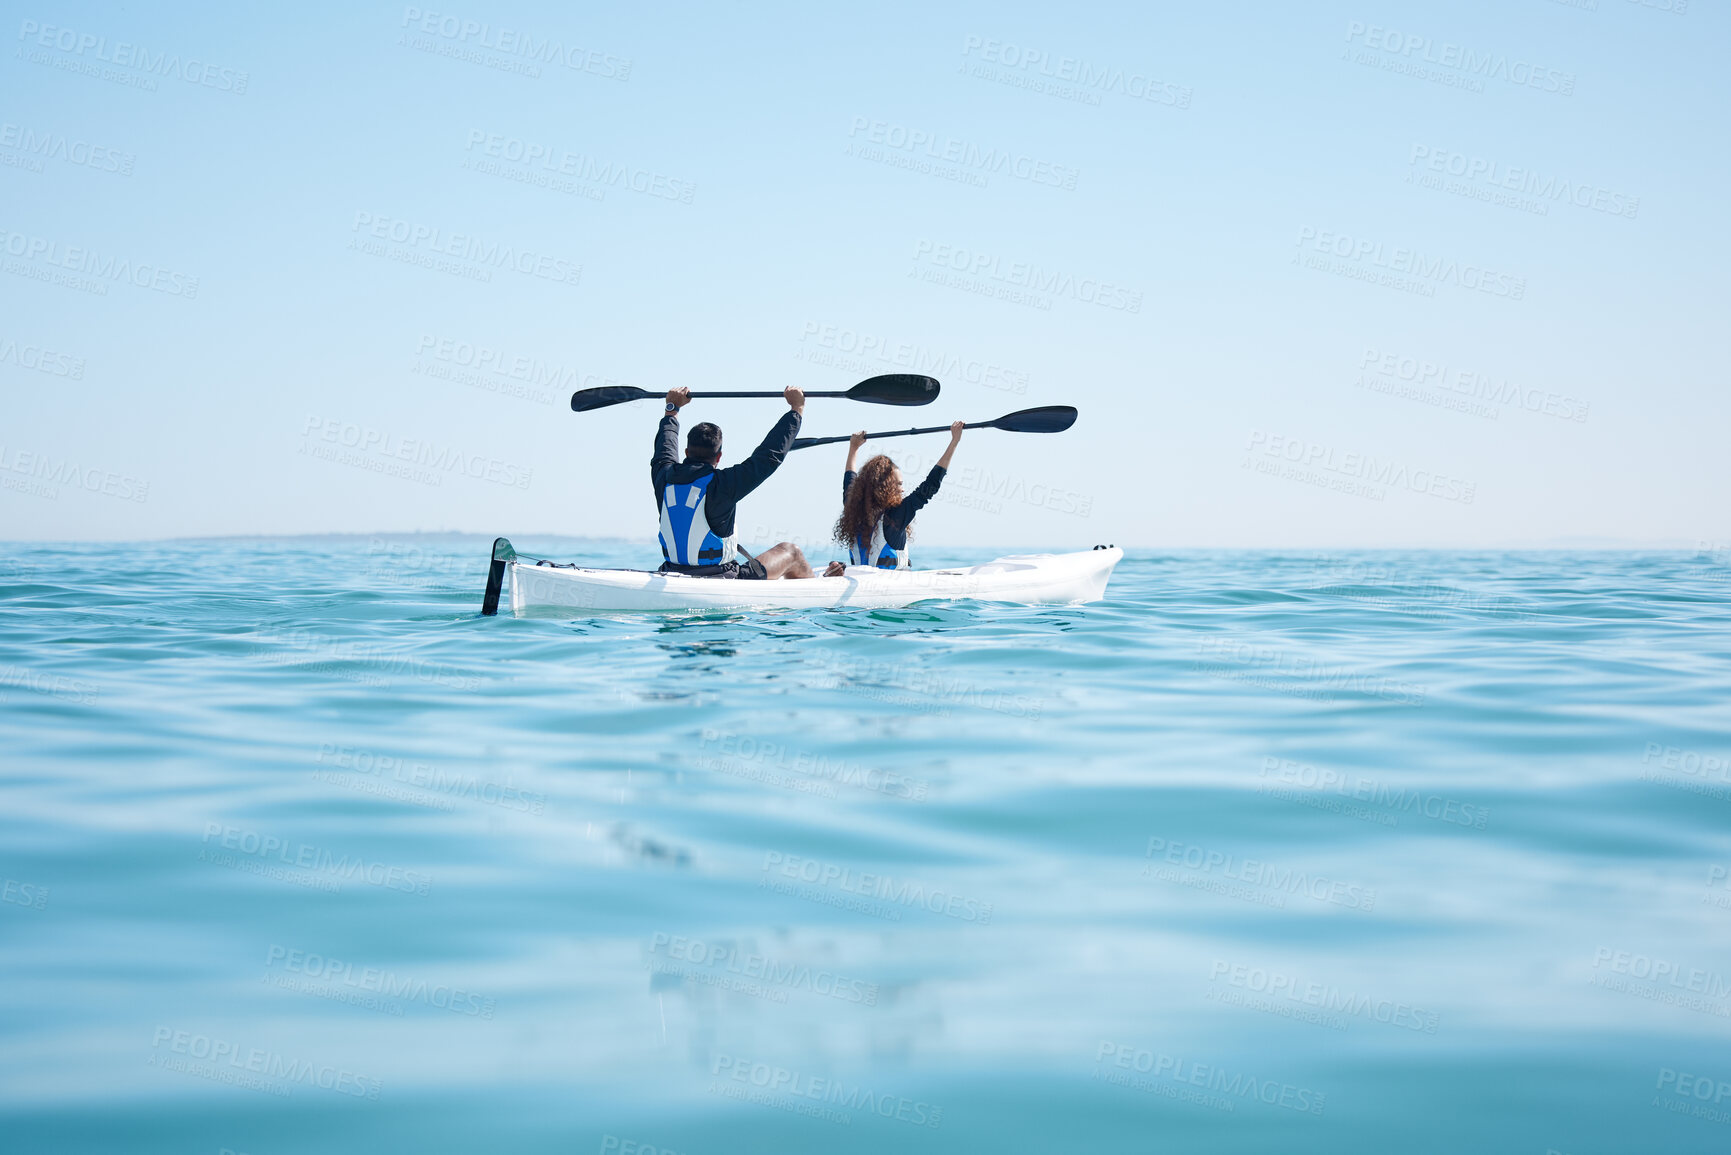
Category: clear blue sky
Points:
column 1314, row 274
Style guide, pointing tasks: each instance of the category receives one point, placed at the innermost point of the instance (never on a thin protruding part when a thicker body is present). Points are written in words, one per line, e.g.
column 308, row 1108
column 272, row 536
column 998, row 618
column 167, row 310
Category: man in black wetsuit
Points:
column 697, row 500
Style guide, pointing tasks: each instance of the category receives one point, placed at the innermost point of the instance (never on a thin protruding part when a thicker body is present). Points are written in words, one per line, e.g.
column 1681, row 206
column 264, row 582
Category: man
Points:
column 697, row 500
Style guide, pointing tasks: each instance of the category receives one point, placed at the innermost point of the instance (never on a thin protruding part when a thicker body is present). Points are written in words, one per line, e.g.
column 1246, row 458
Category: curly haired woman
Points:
column 875, row 516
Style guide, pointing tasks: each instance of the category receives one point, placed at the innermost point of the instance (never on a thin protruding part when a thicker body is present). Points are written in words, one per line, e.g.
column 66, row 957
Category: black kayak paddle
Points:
column 1046, row 419
column 889, row 389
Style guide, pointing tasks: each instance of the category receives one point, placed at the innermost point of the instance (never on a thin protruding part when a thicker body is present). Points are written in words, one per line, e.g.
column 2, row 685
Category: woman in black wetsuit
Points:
column 875, row 516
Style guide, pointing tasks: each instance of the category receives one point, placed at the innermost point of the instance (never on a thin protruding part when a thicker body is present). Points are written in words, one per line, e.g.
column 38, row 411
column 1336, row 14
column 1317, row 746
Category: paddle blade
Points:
column 1046, row 419
column 586, row 399
column 896, row 389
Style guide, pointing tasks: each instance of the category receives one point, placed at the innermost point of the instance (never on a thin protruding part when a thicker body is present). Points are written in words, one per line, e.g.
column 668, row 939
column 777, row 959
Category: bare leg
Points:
column 784, row 560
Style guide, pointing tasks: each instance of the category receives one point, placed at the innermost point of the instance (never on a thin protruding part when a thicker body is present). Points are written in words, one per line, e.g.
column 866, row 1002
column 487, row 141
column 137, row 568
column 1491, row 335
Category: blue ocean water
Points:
column 1353, row 852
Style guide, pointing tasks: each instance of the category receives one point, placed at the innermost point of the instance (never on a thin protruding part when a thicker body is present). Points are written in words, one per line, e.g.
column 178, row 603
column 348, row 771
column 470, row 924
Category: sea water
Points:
column 1297, row 852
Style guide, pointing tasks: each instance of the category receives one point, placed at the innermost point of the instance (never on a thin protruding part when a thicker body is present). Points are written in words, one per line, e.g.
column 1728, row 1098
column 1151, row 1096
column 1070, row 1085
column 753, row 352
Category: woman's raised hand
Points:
column 857, row 440
column 956, row 428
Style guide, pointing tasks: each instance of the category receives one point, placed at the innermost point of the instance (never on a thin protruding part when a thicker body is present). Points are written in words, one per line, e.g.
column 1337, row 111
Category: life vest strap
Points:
column 878, row 551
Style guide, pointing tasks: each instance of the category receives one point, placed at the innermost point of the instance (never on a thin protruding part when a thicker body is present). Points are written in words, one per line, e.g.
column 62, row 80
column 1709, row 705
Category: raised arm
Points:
column 903, row 514
column 667, row 436
column 956, row 428
column 848, row 471
column 734, row 483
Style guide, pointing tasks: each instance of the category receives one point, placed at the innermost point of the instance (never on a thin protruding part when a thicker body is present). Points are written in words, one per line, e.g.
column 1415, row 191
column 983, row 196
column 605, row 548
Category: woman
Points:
column 875, row 516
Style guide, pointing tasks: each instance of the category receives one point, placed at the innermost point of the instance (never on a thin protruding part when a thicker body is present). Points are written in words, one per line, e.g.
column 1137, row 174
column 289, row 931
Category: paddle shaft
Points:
column 808, row 442
column 884, row 389
column 808, row 393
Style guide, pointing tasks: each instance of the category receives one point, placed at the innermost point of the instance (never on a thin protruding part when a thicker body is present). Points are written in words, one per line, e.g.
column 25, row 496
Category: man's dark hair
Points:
column 703, row 442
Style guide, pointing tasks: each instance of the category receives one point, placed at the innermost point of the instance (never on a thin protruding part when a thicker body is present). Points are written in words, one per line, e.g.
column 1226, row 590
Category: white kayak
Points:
column 1029, row 579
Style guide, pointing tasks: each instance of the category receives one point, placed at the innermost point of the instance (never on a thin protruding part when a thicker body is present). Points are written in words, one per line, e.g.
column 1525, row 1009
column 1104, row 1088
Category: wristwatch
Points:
column 672, row 408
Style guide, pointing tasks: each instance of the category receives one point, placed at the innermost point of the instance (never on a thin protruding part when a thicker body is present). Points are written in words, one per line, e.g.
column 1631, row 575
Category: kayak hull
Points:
column 1027, row 579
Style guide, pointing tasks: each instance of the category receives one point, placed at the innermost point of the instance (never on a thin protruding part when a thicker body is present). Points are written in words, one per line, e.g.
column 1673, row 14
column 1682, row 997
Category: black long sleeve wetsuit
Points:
column 730, row 484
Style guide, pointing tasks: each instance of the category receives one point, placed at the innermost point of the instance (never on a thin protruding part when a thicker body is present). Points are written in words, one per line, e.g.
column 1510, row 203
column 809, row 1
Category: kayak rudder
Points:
column 503, row 555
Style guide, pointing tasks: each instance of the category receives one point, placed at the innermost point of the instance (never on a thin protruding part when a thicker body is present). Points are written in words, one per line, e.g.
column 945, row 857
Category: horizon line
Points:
column 1589, row 545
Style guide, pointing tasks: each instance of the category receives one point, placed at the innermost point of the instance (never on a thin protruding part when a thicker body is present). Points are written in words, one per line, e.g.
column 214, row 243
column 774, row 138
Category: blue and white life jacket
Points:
column 686, row 538
column 877, row 551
